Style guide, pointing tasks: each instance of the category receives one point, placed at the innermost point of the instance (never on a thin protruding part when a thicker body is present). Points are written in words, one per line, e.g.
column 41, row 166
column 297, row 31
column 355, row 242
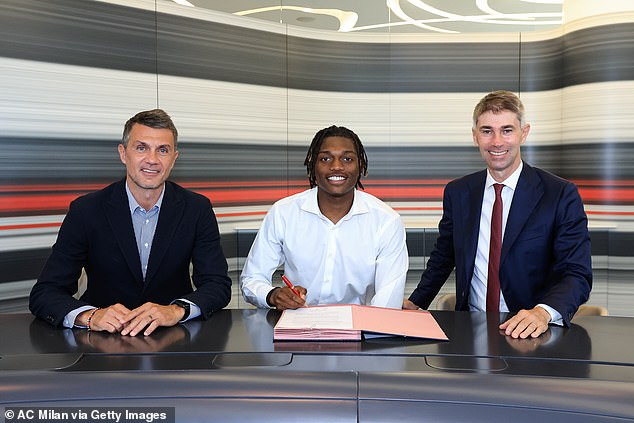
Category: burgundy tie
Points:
column 495, row 249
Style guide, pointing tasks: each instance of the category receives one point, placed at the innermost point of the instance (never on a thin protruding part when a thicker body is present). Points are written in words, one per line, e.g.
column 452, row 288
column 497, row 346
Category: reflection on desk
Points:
column 230, row 364
column 175, row 338
column 251, row 331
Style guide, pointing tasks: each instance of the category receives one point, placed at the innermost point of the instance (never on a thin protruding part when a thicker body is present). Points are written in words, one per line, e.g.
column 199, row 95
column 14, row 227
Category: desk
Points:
column 229, row 364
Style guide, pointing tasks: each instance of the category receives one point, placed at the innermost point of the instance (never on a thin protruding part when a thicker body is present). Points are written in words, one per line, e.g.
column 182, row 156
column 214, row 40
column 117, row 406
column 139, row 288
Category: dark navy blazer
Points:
column 97, row 234
column 546, row 255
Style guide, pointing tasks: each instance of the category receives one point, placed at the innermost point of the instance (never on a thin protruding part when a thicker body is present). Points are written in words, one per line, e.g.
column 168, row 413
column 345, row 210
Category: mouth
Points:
column 150, row 171
column 498, row 153
column 336, row 178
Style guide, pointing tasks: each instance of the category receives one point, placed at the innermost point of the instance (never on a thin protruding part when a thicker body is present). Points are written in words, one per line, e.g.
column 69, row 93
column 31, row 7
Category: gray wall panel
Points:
column 247, row 101
column 600, row 54
column 27, row 161
column 86, row 33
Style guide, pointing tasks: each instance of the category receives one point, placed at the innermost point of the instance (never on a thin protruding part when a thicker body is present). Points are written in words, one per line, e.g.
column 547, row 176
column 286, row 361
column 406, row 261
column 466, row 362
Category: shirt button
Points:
column 146, row 245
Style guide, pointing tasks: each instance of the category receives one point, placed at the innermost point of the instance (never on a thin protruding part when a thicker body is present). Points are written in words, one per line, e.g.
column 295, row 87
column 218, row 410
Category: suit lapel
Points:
column 171, row 213
column 117, row 213
column 471, row 209
column 528, row 192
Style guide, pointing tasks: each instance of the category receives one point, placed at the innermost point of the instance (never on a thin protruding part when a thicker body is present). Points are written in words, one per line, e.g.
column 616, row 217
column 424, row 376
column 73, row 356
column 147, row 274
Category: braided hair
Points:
column 315, row 146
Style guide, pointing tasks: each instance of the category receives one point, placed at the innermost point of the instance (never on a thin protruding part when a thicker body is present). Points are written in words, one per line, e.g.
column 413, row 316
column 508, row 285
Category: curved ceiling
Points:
column 398, row 16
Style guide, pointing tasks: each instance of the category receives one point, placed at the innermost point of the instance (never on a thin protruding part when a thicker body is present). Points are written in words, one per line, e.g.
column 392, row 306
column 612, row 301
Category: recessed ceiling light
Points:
column 183, row 3
column 347, row 20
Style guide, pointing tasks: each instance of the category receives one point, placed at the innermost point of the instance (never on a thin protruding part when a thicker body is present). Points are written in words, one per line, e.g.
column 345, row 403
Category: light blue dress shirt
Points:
column 144, row 223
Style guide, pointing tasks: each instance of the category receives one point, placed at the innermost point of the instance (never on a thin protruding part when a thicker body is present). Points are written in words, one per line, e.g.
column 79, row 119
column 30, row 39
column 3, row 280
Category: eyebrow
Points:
column 147, row 145
column 329, row 152
column 510, row 125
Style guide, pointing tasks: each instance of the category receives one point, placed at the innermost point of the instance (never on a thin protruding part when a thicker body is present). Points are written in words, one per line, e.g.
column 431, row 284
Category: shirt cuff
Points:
column 268, row 297
column 194, row 310
column 69, row 319
column 555, row 317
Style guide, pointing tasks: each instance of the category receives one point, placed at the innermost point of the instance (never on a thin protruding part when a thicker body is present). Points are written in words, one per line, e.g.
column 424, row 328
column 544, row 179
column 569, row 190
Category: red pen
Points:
column 290, row 285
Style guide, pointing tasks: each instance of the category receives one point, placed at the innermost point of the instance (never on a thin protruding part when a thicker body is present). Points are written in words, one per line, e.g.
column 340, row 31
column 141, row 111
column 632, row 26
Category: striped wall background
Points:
column 248, row 96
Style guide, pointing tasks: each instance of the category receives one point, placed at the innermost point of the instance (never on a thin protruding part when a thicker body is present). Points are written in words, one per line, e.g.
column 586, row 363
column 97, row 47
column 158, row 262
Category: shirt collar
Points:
column 312, row 206
column 510, row 182
column 134, row 204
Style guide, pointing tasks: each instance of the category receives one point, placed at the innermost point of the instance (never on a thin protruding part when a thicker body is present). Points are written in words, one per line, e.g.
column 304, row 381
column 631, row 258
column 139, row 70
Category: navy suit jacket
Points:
column 97, row 234
column 546, row 257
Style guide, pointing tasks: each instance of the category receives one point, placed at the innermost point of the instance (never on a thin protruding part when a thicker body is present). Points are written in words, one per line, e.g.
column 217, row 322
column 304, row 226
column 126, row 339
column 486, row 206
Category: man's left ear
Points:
column 525, row 130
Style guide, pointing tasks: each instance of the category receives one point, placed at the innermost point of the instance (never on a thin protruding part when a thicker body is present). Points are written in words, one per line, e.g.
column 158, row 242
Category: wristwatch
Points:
column 185, row 306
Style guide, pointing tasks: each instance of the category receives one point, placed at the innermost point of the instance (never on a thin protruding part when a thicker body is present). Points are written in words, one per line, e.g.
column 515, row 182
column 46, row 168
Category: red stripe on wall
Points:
column 603, row 194
column 29, row 203
column 240, row 214
column 31, row 226
column 18, row 200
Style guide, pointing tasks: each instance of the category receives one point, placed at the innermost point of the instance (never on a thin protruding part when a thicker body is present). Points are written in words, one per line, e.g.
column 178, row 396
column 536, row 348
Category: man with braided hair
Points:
column 338, row 244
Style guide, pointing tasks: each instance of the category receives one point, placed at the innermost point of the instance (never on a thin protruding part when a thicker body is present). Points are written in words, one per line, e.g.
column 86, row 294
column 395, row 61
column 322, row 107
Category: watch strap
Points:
column 185, row 306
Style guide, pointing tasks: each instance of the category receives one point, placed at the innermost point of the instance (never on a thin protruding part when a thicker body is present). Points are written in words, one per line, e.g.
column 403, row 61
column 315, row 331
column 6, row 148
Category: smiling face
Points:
column 337, row 167
column 499, row 136
column 148, row 157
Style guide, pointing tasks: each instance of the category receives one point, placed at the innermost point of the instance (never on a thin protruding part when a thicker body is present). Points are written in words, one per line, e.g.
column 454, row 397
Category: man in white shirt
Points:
column 338, row 245
column 542, row 270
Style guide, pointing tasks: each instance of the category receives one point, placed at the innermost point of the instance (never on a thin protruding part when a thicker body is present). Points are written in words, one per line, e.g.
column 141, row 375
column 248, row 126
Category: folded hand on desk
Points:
column 527, row 323
column 118, row 318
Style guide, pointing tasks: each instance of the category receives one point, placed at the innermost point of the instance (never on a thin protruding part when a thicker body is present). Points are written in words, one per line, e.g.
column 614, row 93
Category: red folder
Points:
column 349, row 322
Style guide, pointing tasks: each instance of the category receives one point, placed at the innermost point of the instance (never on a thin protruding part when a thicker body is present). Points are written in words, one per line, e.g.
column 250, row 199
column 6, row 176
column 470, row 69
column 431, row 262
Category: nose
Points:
column 152, row 156
column 496, row 138
column 336, row 164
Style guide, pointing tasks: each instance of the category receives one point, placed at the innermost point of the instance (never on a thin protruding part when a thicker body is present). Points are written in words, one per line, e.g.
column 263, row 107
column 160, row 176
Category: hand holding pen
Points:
column 288, row 297
column 290, row 285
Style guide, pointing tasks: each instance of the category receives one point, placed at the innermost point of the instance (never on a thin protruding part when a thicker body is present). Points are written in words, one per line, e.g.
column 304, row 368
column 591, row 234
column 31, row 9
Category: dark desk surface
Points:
column 600, row 340
column 235, row 349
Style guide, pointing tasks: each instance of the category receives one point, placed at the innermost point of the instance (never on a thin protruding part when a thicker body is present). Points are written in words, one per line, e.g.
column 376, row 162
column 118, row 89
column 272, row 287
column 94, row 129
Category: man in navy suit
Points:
column 136, row 239
column 545, row 269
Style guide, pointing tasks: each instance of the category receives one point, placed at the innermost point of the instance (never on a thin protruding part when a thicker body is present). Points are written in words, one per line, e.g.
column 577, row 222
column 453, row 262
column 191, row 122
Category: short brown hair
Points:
column 498, row 101
column 155, row 118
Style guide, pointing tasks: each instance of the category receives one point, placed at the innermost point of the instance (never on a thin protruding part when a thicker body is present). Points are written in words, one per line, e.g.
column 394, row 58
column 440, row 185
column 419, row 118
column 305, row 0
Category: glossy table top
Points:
column 230, row 364
column 589, row 339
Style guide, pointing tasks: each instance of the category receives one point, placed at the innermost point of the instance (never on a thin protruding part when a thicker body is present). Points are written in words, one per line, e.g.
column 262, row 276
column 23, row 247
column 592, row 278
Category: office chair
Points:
column 446, row 302
column 591, row 310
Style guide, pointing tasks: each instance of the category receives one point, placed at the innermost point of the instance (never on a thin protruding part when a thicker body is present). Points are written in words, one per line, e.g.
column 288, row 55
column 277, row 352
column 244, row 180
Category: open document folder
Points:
column 349, row 322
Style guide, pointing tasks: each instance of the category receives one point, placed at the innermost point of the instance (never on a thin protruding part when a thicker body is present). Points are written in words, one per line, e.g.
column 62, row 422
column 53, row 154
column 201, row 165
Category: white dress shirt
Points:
column 478, row 292
column 362, row 259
